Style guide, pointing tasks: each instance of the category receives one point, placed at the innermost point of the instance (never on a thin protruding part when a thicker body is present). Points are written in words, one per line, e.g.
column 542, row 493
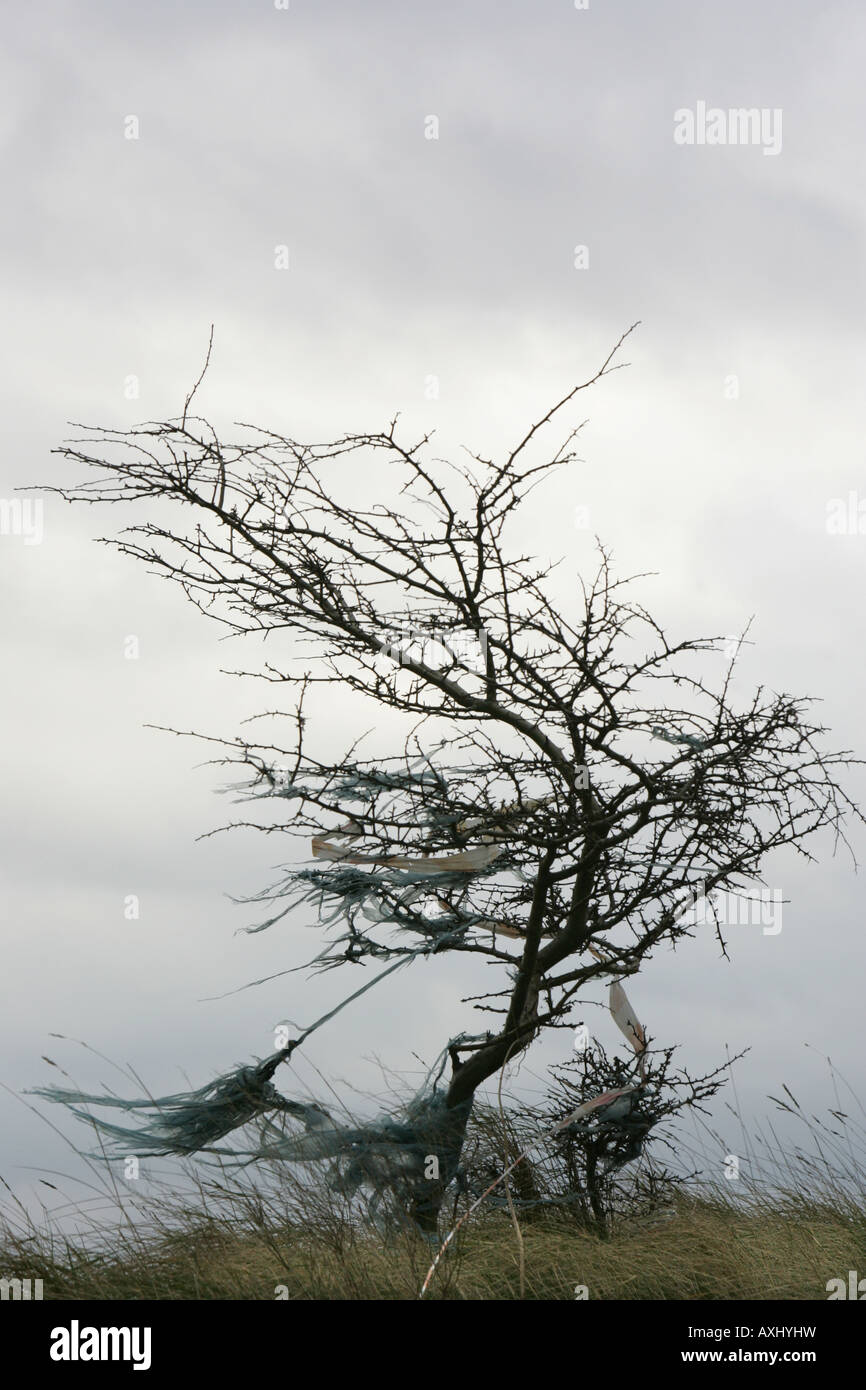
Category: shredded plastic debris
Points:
column 404, row 1160
column 691, row 739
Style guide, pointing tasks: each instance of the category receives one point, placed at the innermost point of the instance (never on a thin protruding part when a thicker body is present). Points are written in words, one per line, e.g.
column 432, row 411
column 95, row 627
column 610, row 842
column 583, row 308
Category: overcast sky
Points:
column 156, row 157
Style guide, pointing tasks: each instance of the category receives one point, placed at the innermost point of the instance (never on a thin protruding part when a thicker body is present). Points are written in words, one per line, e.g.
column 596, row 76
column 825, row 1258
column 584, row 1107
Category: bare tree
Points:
column 575, row 1170
column 568, row 782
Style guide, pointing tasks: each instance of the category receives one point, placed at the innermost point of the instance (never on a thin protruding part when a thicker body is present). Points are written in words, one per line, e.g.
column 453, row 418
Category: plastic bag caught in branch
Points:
column 505, row 816
column 625, row 1019
column 691, row 739
column 471, row 861
column 614, row 1104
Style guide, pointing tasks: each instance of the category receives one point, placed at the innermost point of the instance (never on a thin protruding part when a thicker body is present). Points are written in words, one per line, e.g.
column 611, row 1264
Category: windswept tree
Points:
column 566, row 783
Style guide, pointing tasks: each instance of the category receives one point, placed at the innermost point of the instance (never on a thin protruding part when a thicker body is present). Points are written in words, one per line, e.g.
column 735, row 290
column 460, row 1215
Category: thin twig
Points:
column 200, row 380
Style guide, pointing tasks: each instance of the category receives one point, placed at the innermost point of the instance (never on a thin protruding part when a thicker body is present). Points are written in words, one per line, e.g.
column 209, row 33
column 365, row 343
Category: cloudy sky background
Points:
column 410, row 258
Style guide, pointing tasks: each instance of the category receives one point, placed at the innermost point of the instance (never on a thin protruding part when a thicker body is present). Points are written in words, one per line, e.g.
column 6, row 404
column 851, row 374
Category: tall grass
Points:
column 794, row 1218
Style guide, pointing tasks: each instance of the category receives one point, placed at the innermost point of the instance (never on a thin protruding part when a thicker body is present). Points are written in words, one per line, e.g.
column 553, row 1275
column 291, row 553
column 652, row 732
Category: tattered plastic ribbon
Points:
column 355, row 785
column 505, row 814
column 191, row 1121
column 389, row 1153
column 471, row 861
column 691, row 739
column 344, row 891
